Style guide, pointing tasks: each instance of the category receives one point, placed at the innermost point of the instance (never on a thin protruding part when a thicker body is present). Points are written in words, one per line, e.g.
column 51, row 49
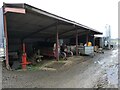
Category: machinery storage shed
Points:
column 26, row 24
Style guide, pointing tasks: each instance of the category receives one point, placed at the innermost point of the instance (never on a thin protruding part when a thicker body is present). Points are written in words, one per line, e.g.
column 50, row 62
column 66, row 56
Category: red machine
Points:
column 24, row 58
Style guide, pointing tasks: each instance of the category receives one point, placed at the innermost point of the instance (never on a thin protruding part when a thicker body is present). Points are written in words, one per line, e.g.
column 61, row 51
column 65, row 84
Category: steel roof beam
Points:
column 43, row 29
column 65, row 31
column 79, row 34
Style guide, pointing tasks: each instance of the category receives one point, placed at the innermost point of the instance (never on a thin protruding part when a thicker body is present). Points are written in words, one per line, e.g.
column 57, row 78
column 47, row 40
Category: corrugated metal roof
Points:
column 38, row 23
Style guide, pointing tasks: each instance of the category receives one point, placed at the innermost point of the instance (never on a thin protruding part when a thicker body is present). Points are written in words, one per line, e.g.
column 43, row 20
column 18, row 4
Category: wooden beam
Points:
column 14, row 10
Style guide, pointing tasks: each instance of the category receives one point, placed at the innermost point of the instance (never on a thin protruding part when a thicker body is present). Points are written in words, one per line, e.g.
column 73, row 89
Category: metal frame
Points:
column 55, row 17
column 5, row 10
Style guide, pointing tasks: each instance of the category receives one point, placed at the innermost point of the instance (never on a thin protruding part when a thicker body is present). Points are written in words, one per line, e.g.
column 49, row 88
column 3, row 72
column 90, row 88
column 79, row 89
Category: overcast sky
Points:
column 93, row 13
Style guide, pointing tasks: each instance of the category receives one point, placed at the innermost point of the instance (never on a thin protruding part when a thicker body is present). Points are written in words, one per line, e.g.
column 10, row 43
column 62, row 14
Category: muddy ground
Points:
column 79, row 72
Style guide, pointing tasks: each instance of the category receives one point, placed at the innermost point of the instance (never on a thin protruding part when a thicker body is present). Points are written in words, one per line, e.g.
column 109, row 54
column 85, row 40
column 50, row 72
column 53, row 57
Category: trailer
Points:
column 87, row 50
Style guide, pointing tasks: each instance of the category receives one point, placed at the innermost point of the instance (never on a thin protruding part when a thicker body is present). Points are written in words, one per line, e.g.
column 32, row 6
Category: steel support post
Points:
column 6, row 37
column 76, row 42
column 57, row 44
column 87, row 40
column 93, row 40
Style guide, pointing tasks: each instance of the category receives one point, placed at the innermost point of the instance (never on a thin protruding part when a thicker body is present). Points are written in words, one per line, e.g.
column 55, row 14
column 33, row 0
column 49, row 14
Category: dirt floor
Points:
column 77, row 72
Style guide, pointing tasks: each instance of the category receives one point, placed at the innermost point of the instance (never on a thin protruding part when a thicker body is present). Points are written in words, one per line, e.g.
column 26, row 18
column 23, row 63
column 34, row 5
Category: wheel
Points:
column 71, row 53
column 38, row 60
column 64, row 56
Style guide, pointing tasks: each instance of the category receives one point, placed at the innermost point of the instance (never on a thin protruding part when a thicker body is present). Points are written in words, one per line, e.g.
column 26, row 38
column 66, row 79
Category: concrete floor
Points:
column 100, row 71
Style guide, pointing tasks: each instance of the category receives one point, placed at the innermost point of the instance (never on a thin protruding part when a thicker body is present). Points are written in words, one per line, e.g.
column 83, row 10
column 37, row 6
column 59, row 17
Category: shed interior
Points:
column 38, row 26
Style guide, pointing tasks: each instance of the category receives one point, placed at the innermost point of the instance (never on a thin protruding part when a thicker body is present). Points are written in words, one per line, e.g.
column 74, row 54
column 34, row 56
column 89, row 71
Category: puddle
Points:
column 114, row 53
column 110, row 65
column 109, row 79
column 112, row 74
column 101, row 63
